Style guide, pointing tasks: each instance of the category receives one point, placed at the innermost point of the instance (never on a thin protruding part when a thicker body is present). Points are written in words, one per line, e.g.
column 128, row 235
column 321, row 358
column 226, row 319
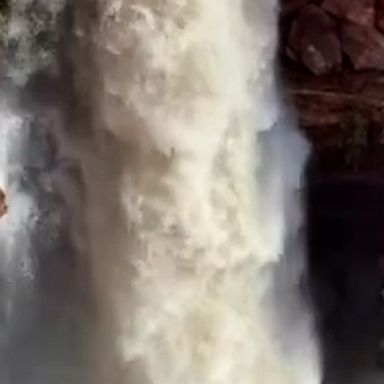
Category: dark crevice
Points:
column 345, row 248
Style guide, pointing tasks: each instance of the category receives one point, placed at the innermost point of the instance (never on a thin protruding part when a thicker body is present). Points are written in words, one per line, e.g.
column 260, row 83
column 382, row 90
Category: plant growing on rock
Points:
column 354, row 139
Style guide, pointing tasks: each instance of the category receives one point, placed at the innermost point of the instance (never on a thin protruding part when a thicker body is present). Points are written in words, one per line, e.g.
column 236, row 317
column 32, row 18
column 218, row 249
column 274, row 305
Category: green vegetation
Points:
column 354, row 139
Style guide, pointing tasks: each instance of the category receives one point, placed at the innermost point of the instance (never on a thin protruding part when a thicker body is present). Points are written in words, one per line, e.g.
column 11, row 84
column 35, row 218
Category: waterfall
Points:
column 38, row 302
column 191, row 173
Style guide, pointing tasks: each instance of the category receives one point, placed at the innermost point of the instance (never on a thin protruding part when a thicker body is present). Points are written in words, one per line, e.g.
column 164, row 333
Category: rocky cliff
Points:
column 333, row 68
column 332, row 55
column 330, row 35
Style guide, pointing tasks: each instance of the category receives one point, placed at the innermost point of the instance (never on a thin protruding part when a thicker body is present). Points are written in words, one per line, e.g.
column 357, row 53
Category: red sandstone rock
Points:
column 314, row 39
column 291, row 6
column 358, row 11
column 291, row 54
column 380, row 14
column 295, row 36
column 364, row 46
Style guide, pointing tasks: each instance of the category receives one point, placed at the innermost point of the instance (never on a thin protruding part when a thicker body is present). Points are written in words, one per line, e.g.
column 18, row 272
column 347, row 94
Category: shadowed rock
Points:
column 357, row 11
column 363, row 46
column 314, row 39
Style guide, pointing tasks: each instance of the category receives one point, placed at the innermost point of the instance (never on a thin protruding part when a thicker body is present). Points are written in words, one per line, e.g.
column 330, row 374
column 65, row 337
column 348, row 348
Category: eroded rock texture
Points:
column 330, row 35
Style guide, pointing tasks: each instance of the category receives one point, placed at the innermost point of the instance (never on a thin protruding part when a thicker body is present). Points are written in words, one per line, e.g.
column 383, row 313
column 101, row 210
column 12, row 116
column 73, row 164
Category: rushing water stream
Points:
column 153, row 181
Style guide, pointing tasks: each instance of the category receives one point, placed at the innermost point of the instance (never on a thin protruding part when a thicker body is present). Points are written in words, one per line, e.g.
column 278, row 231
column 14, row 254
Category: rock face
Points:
column 290, row 6
column 329, row 35
column 357, row 11
column 314, row 40
column 363, row 46
column 380, row 15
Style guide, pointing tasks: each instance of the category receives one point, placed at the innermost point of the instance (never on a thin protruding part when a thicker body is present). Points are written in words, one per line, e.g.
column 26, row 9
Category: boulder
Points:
column 313, row 37
column 364, row 46
column 357, row 11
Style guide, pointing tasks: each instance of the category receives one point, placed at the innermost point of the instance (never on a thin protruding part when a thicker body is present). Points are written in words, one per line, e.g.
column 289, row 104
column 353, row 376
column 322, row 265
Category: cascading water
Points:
column 191, row 173
column 38, row 306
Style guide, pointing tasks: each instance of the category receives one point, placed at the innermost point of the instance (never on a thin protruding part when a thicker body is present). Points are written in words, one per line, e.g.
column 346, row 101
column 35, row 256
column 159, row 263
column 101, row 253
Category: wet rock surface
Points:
column 313, row 39
column 363, row 46
column 357, row 11
column 380, row 15
column 332, row 35
column 291, row 6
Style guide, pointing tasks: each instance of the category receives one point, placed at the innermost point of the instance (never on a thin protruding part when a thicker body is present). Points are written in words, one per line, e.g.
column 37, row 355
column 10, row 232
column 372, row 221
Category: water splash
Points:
column 191, row 173
column 37, row 326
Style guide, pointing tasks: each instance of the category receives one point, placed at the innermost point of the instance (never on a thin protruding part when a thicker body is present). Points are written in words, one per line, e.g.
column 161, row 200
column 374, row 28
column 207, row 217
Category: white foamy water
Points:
column 25, row 354
column 191, row 174
column 16, row 263
column 25, row 58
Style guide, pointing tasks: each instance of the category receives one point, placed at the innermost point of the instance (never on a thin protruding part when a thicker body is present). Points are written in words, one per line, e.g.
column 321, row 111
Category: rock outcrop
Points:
column 326, row 36
column 314, row 41
column 363, row 46
column 356, row 11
